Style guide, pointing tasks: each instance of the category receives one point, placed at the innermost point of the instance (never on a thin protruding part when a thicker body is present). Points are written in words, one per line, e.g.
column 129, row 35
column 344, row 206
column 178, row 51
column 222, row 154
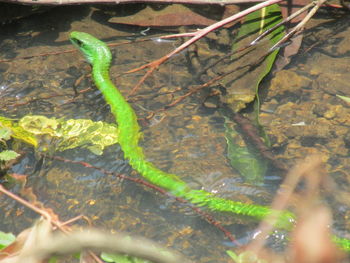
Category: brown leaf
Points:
column 292, row 6
column 171, row 16
column 287, row 9
column 26, row 241
column 289, row 51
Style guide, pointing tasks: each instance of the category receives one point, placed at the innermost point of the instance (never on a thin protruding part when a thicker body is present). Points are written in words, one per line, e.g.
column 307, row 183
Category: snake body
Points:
column 99, row 56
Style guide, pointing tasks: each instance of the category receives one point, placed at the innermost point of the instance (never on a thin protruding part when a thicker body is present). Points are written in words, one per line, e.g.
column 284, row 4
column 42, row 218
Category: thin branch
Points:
column 286, row 20
column 299, row 26
column 199, row 34
column 203, row 32
column 30, row 206
column 61, row 226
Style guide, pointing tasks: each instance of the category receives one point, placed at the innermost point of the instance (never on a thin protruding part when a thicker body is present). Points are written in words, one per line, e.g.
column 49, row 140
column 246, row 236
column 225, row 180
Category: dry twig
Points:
column 198, row 35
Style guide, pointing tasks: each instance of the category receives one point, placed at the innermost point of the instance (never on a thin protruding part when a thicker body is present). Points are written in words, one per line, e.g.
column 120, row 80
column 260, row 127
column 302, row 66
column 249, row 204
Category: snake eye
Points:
column 78, row 42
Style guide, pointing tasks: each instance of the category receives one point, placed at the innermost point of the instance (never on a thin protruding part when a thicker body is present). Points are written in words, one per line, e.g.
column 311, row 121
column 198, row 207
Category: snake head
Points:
column 94, row 50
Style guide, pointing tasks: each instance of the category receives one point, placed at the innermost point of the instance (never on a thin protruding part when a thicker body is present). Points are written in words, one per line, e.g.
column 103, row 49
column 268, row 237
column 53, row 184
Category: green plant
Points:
column 5, row 154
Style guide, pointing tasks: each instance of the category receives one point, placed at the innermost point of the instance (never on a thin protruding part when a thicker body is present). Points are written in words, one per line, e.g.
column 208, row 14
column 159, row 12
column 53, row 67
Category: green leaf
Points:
column 118, row 258
column 51, row 134
column 72, row 133
column 6, row 239
column 8, row 155
column 5, row 133
column 232, row 255
column 18, row 132
column 246, row 161
column 344, row 98
column 245, row 257
column 53, row 260
column 114, row 258
column 254, row 65
column 250, row 66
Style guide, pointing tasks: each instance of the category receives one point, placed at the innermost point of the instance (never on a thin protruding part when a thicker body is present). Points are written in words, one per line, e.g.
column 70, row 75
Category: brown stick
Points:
column 203, row 32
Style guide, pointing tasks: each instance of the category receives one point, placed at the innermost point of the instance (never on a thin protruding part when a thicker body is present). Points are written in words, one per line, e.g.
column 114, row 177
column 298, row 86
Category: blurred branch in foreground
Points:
column 311, row 239
column 36, row 244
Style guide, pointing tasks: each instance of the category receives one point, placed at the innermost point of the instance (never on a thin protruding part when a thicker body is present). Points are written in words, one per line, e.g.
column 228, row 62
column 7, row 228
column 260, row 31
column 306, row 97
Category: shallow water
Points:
column 187, row 139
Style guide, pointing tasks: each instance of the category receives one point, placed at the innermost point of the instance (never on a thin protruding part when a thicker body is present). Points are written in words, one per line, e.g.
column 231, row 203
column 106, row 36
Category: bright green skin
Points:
column 99, row 56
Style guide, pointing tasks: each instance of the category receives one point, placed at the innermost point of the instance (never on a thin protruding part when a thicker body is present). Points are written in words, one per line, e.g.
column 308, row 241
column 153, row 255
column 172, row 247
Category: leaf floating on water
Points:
column 39, row 125
column 18, row 132
column 73, row 133
column 5, row 133
column 8, row 155
column 66, row 134
column 94, row 135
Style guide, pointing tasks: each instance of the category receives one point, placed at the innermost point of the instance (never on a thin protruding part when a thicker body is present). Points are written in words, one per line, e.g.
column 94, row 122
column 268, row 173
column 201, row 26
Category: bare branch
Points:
column 300, row 26
column 198, row 35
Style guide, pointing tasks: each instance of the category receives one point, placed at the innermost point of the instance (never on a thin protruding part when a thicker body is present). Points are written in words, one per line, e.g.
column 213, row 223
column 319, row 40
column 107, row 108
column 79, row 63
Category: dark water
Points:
column 187, row 139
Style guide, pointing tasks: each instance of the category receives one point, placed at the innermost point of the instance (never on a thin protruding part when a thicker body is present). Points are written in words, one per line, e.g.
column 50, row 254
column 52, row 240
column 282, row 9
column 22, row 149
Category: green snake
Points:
column 99, row 56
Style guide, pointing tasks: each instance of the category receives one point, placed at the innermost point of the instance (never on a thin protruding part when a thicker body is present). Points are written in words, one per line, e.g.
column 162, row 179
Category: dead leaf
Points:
column 171, row 16
column 26, row 241
column 292, row 6
column 287, row 9
column 289, row 51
